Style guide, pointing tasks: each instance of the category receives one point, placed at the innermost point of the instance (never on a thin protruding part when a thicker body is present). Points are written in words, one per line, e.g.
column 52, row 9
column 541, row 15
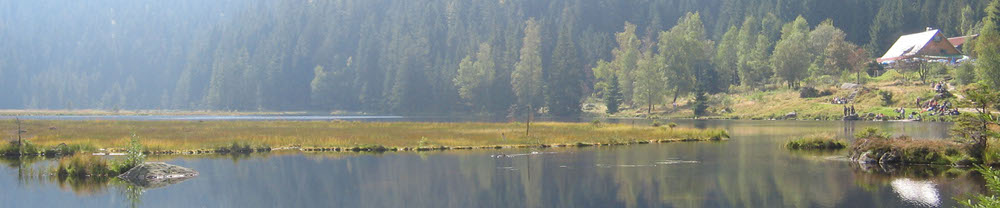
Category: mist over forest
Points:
column 389, row 56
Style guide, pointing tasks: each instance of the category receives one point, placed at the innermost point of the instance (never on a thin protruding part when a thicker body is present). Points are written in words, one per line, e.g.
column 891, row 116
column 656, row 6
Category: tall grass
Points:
column 214, row 135
column 28, row 148
column 816, row 142
column 85, row 166
column 81, row 166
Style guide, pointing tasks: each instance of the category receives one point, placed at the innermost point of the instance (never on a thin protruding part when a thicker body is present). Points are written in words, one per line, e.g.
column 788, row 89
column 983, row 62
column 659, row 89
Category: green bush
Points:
column 808, row 92
column 965, row 74
column 939, row 69
column 134, row 157
column 886, row 97
column 700, row 104
column 872, row 133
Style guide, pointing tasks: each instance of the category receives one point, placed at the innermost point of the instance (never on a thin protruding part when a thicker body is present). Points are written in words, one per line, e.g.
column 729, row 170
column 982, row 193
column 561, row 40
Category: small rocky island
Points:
column 157, row 174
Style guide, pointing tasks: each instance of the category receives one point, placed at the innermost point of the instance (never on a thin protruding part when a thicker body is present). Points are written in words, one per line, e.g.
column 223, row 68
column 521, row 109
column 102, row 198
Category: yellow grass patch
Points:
column 198, row 135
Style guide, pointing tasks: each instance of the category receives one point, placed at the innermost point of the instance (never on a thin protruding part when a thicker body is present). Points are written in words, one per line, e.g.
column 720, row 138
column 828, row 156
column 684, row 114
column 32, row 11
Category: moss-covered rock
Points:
column 909, row 151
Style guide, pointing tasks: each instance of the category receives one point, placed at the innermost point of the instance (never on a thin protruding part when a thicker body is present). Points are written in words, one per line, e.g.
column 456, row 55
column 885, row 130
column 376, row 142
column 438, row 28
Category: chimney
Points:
column 929, row 29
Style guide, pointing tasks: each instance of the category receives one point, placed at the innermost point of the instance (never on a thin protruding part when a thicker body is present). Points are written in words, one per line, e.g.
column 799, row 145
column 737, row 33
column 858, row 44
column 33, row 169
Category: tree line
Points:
column 437, row 56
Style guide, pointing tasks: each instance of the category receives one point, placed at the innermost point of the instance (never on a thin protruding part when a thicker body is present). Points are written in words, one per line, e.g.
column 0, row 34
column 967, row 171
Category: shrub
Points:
column 808, row 92
column 423, row 142
column 826, row 92
column 134, row 157
column 886, row 97
column 872, row 133
column 939, row 69
column 700, row 104
column 965, row 74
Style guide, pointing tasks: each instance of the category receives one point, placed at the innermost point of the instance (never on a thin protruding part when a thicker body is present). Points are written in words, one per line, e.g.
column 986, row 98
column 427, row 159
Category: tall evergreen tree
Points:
column 613, row 96
column 565, row 91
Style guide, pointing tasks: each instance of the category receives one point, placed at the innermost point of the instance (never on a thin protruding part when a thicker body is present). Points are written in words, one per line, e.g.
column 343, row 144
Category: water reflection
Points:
column 750, row 170
column 918, row 192
column 34, row 172
column 920, row 186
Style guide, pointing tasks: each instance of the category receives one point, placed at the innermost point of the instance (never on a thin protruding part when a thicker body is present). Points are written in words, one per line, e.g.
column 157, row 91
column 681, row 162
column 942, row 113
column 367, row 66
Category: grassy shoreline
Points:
column 776, row 102
column 194, row 137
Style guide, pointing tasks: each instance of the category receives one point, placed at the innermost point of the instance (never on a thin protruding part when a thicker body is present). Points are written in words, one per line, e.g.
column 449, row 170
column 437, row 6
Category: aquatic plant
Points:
column 81, row 166
column 872, row 133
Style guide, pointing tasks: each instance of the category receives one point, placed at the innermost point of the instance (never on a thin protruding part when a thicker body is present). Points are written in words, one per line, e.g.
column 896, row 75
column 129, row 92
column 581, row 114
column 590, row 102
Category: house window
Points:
column 937, row 38
column 943, row 51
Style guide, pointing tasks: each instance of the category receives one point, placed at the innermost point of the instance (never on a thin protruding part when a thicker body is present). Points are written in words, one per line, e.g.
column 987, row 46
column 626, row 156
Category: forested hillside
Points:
column 428, row 56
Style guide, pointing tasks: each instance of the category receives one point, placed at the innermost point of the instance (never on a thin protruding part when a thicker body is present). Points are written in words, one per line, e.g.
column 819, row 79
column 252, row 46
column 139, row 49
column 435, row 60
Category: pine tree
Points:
column 613, row 96
column 565, row 91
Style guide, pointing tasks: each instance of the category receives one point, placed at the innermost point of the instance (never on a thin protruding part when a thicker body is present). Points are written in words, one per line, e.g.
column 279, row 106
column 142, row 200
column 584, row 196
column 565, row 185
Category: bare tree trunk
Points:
column 18, row 120
column 859, row 76
column 677, row 92
column 649, row 101
column 531, row 114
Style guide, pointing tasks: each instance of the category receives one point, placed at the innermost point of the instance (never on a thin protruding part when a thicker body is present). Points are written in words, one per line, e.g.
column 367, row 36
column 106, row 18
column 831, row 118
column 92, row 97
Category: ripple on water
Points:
column 521, row 155
column 676, row 162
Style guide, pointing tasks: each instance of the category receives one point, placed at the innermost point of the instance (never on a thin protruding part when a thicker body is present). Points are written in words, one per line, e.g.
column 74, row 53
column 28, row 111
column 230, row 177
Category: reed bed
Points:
column 189, row 136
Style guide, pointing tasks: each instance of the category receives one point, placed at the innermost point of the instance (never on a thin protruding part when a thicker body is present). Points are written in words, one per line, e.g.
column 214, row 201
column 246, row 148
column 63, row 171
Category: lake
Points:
column 749, row 170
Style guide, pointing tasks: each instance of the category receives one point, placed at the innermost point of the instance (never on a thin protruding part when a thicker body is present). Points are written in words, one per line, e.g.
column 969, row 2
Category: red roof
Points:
column 959, row 41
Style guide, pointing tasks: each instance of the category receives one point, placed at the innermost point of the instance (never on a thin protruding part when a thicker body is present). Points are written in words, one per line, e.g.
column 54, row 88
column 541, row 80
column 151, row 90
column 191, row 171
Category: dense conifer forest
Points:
column 438, row 56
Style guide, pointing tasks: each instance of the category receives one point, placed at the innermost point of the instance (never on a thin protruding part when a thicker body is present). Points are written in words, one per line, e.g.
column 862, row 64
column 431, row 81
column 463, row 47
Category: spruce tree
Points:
column 613, row 96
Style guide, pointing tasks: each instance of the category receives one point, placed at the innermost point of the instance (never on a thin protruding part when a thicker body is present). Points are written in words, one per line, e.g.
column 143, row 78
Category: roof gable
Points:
column 909, row 45
column 927, row 43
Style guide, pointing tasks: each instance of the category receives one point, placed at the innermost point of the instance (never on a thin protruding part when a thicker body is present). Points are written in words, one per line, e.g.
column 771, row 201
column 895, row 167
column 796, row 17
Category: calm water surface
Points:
column 750, row 170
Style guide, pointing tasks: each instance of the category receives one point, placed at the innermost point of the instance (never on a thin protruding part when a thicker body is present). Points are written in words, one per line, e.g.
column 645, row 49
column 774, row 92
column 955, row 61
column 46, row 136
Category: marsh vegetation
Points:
column 164, row 137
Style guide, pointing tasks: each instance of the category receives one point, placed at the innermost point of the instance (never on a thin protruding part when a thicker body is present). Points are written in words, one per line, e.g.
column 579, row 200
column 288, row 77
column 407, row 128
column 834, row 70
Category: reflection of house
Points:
column 928, row 45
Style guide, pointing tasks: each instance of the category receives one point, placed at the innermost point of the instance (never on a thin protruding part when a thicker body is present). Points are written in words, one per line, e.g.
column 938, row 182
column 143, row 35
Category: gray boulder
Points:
column 157, row 174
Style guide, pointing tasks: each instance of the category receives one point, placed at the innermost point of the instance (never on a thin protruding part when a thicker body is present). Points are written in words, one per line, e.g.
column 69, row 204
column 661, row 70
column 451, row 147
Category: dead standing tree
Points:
column 18, row 121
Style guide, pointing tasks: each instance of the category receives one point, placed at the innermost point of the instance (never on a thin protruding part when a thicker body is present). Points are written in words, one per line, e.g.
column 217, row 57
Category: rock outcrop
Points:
column 157, row 174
